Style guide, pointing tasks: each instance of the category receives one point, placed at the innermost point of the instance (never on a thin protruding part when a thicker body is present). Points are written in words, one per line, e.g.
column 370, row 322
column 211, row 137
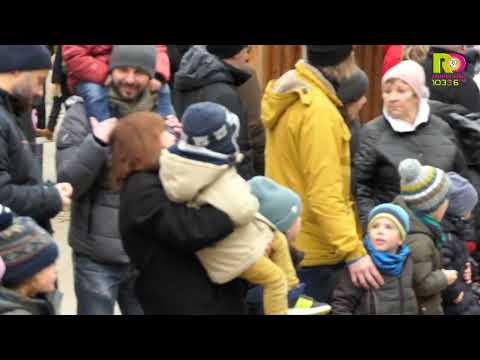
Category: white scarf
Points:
column 402, row 126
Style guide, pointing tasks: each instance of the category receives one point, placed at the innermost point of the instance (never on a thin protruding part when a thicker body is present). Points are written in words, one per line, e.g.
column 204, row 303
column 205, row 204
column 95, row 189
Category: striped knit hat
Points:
column 424, row 188
column 393, row 213
column 26, row 249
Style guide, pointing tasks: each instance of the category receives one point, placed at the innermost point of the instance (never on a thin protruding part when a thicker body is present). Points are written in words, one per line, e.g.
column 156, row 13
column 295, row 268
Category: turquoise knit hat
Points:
column 280, row 205
column 393, row 212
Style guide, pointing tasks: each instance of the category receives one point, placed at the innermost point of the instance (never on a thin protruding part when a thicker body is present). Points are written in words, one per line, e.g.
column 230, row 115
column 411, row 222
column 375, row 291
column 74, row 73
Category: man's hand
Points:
column 56, row 90
column 66, row 192
column 103, row 130
column 155, row 85
column 269, row 249
column 467, row 274
column 451, row 276
column 364, row 274
column 167, row 139
column 459, row 298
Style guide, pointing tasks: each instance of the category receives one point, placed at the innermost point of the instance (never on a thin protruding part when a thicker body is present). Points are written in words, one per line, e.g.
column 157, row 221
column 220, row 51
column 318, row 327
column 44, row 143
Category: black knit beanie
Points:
column 353, row 88
column 24, row 58
column 225, row 51
column 328, row 55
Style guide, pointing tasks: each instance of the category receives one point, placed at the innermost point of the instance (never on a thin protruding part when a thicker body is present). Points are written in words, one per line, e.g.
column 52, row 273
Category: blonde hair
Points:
column 417, row 53
column 343, row 70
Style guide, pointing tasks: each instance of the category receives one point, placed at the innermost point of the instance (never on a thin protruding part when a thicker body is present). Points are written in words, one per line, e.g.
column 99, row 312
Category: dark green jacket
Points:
column 395, row 297
column 428, row 279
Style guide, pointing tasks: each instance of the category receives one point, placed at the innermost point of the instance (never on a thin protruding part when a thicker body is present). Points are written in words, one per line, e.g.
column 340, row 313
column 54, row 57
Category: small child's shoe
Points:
column 306, row 305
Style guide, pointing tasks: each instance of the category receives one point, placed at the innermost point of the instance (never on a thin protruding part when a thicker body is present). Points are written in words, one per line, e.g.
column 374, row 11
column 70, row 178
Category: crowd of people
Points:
column 192, row 192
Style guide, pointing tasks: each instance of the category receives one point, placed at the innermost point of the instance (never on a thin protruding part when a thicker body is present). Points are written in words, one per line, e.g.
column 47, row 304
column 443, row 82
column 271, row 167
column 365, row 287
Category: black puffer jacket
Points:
column 467, row 95
column 395, row 297
column 161, row 239
column 454, row 257
column 204, row 77
column 375, row 166
column 21, row 186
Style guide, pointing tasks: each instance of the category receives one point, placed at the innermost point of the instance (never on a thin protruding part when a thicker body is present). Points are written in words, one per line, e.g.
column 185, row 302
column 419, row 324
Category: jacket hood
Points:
column 463, row 229
column 176, row 174
column 199, row 68
column 294, row 85
column 442, row 109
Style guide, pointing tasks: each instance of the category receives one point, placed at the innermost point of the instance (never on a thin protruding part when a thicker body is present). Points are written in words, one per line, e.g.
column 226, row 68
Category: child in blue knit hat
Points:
column 200, row 169
column 388, row 226
column 283, row 208
column 29, row 253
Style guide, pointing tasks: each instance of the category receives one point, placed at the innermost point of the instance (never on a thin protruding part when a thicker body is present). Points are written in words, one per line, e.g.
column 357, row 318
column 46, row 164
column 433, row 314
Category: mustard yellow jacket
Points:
column 307, row 150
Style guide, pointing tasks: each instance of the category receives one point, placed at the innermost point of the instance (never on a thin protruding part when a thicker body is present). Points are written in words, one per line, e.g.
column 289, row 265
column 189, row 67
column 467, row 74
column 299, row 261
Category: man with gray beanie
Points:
column 89, row 68
column 103, row 273
column 23, row 70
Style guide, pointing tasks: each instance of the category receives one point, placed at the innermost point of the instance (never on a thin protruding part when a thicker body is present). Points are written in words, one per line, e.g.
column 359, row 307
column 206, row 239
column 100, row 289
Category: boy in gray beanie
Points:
column 424, row 196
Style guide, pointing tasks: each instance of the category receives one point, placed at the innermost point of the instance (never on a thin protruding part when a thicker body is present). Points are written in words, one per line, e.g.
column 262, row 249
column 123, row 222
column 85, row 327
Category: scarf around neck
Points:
column 387, row 263
column 120, row 108
column 400, row 126
column 434, row 227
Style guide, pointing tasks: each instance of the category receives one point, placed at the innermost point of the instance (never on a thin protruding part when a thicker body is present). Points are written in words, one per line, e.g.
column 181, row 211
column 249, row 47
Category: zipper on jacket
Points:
column 370, row 303
column 402, row 300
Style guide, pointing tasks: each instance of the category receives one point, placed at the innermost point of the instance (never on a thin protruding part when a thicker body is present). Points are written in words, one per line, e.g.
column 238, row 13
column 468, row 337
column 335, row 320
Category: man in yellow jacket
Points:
column 308, row 151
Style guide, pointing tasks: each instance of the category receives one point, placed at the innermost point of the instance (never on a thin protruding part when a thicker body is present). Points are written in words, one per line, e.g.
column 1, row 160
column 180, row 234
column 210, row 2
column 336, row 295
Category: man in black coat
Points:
column 214, row 74
column 467, row 94
column 23, row 70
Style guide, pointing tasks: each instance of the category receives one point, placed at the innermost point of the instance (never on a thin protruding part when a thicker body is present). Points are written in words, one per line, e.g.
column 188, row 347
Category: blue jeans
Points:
column 164, row 106
column 96, row 100
column 99, row 286
column 320, row 281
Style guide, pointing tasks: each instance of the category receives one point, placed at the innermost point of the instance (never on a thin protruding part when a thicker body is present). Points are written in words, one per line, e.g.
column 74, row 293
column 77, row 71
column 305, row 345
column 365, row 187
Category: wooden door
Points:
column 271, row 61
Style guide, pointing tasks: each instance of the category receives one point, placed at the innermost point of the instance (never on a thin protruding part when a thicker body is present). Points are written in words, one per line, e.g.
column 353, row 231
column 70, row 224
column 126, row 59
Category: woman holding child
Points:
column 161, row 237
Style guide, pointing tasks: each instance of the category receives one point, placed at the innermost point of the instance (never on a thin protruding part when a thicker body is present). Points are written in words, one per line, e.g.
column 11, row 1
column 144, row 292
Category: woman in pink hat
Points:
column 406, row 129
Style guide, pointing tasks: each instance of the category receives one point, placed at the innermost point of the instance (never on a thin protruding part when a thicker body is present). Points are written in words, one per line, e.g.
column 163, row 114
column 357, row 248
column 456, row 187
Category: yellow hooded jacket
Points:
column 307, row 150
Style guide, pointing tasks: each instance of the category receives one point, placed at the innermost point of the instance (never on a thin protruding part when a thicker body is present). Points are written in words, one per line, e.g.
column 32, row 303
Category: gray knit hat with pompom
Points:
column 424, row 188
